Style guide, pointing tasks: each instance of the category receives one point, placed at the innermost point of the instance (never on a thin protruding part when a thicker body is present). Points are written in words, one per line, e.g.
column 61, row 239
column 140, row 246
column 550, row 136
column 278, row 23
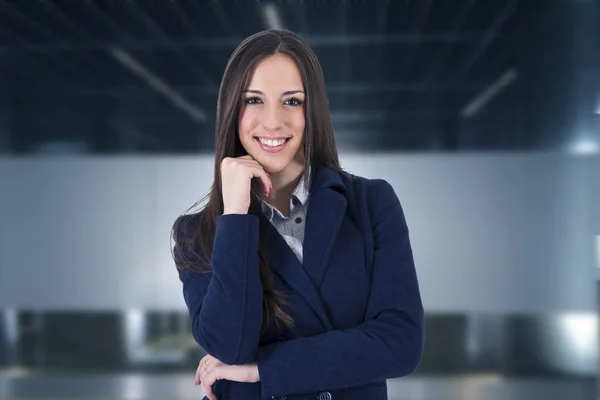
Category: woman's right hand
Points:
column 236, row 183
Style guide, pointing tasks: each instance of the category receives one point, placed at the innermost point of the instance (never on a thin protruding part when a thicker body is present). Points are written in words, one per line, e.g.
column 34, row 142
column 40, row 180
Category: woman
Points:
column 299, row 277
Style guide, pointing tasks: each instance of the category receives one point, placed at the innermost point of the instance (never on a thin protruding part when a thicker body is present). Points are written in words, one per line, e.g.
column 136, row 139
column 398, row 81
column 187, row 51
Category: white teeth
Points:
column 272, row 143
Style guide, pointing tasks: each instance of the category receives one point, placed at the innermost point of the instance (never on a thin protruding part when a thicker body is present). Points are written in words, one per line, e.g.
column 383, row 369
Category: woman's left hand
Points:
column 210, row 370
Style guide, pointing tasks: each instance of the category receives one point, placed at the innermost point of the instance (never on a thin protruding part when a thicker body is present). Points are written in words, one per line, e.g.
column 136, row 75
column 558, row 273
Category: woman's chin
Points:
column 272, row 166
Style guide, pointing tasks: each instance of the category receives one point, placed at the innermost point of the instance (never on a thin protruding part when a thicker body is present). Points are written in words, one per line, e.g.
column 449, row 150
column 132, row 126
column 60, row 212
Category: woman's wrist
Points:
column 230, row 212
column 255, row 375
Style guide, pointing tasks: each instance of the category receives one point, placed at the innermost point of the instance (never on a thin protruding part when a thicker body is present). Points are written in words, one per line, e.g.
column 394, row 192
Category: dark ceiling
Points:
column 142, row 76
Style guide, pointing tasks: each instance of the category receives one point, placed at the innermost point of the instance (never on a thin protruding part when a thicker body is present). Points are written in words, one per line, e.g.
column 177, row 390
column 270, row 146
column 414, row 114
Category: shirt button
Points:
column 298, row 220
column 324, row 396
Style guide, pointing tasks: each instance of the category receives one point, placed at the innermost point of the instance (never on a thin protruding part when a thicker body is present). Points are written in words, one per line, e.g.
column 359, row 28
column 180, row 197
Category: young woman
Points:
column 299, row 277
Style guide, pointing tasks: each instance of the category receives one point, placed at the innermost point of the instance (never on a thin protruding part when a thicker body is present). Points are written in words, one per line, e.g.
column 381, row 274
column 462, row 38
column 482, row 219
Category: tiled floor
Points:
column 147, row 386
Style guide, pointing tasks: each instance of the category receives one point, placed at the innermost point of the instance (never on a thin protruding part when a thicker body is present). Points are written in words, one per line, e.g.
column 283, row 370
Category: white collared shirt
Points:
column 291, row 228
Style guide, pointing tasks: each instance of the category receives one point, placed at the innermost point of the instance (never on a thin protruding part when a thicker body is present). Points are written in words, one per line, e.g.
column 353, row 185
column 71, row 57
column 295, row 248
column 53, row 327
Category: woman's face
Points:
column 271, row 122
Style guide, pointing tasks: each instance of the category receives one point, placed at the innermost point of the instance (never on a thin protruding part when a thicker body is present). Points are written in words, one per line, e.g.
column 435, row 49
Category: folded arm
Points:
column 225, row 306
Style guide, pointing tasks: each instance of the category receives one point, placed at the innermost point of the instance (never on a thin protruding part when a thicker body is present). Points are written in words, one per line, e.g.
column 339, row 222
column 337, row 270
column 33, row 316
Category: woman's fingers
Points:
column 211, row 369
column 204, row 367
column 209, row 378
column 201, row 370
column 203, row 376
column 259, row 172
column 236, row 183
column 263, row 177
column 197, row 379
column 208, row 391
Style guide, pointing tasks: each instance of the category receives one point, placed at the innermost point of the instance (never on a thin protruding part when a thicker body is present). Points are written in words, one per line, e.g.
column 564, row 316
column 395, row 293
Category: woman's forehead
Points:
column 278, row 72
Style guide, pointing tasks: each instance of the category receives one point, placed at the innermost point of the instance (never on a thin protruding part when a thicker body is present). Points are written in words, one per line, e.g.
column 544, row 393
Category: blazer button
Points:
column 324, row 396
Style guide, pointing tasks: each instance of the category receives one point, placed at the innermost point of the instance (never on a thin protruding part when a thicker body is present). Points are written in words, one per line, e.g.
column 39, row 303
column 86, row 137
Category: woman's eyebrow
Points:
column 292, row 92
column 286, row 93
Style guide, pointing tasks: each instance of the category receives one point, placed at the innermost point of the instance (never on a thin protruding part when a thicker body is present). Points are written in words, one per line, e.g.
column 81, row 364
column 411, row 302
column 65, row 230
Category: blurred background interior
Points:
column 483, row 114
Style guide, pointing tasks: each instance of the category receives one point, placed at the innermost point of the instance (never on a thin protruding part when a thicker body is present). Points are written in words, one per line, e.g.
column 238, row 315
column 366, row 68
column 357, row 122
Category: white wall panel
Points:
column 497, row 233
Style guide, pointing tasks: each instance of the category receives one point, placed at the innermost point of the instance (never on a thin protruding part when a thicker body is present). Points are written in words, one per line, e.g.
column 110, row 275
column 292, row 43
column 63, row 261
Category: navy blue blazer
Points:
column 355, row 299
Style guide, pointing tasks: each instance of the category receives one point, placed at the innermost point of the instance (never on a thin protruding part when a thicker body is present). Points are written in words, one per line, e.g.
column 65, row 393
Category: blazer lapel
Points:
column 284, row 263
column 326, row 210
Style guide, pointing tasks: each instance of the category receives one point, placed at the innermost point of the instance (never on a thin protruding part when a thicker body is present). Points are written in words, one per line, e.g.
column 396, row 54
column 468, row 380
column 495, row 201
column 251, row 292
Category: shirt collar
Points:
column 301, row 191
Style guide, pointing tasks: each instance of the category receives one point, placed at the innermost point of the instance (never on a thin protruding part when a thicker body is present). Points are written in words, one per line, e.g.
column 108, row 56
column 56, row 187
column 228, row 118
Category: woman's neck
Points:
column 284, row 182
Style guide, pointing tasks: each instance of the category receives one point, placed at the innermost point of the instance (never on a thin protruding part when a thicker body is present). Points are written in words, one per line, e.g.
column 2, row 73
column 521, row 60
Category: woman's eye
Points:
column 252, row 100
column 293, row 102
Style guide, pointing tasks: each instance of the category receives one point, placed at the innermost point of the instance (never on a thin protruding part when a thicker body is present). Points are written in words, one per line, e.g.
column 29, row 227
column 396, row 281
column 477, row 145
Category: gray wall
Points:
column 491, row 233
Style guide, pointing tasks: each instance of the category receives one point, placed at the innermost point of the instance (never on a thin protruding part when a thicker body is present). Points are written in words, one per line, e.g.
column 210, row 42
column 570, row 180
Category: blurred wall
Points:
column 595, row 205
column 490, row 233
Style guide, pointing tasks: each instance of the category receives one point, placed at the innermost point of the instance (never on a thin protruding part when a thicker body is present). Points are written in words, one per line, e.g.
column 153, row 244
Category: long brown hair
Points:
column 319, row 150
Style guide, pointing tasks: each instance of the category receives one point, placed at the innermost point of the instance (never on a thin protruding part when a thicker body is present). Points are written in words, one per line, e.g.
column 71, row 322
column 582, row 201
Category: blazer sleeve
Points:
column 387, row 344
column 225, row 306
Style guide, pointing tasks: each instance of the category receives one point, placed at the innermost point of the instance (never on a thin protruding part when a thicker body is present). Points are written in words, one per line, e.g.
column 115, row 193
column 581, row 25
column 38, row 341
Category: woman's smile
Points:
column 272, row 144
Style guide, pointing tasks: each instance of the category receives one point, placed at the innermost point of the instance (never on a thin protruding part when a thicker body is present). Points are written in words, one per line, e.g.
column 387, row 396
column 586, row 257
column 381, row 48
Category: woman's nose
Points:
column 272, row 119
